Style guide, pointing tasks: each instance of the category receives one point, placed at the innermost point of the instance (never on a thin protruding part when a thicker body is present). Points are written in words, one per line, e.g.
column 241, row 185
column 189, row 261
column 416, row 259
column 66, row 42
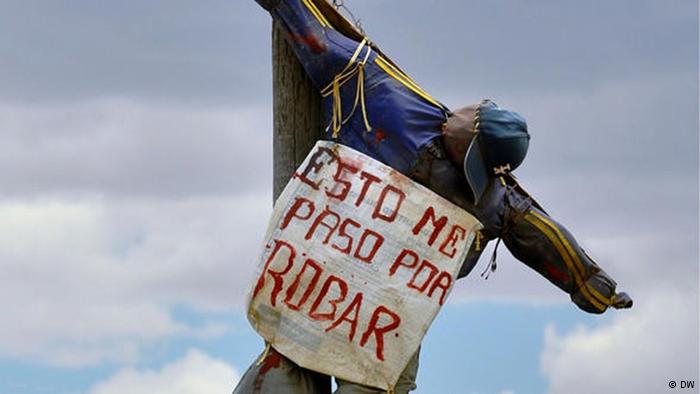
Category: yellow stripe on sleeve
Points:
column 530, row 217
column 406, row 81
column 577, row 261
column 315, row 11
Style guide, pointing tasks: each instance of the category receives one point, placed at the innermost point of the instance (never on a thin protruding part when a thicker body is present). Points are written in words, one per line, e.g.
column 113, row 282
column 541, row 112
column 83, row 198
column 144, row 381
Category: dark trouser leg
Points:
column 406, row 383
column 275, row 374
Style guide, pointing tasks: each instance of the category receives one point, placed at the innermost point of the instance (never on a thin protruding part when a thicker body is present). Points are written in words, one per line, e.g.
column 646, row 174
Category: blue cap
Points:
column 500, row 145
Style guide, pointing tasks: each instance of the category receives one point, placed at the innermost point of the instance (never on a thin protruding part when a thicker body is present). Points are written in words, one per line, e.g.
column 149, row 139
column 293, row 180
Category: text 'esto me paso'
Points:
column 350, row 185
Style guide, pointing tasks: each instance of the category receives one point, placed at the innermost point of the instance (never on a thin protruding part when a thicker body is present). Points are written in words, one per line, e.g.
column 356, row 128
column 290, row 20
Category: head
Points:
column 486, row 141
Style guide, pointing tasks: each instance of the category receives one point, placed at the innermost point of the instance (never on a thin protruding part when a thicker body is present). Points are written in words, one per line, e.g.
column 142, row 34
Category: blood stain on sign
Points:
column 344, row 219
column 352, row 162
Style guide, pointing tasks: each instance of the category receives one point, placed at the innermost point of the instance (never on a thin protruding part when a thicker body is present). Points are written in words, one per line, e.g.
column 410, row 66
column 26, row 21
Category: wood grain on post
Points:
column 296, row 112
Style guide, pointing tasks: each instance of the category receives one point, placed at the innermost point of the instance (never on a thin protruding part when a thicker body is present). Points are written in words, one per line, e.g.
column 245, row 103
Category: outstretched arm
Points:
column 508, row 212
column 369, row 104
column 550, row 249
column 315, row 39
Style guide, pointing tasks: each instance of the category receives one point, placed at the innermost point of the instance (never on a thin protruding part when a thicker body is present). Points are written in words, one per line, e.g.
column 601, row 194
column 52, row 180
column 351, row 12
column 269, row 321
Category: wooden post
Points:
column 296, row 112
column 296, row 125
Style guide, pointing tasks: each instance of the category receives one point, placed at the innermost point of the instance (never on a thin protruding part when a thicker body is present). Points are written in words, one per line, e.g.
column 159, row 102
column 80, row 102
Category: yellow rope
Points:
column 361, row 87
column 360, row 92
column 351, row 62
column 337, row 109
column 263, row 356
column 352, row 69
column 479, row 237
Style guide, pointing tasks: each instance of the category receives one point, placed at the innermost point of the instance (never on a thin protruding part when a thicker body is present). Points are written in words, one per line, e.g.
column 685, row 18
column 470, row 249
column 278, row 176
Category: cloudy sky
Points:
column 135, row 143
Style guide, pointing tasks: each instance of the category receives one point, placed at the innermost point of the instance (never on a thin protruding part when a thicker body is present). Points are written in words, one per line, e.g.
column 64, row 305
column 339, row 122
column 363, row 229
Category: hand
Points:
column 622, row 301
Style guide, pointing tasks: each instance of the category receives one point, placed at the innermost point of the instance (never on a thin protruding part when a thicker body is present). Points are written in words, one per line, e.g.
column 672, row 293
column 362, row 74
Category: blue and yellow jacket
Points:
column 372, row 106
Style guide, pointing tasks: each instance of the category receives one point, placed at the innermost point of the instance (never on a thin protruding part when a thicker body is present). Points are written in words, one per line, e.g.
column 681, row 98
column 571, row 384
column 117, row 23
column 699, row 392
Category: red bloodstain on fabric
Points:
column 379, row 135
column 314, row 44
column 555, row 273
column 310, row 40
column 272, row 360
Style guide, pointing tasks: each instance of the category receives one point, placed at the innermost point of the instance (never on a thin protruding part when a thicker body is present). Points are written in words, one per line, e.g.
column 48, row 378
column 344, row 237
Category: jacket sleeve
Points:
column 546, row 246
column 507, row 211
column 322, row 49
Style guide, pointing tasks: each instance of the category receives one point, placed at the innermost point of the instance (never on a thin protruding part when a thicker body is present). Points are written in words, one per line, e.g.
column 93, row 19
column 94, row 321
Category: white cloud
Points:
column 637, row 351
column 115, row 212
column 90, row 280
column 126, row 147
column 194, row 373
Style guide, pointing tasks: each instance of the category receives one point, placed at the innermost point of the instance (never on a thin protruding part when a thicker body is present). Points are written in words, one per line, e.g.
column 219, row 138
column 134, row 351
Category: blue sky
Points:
column 136, row 142
column 500, row 352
